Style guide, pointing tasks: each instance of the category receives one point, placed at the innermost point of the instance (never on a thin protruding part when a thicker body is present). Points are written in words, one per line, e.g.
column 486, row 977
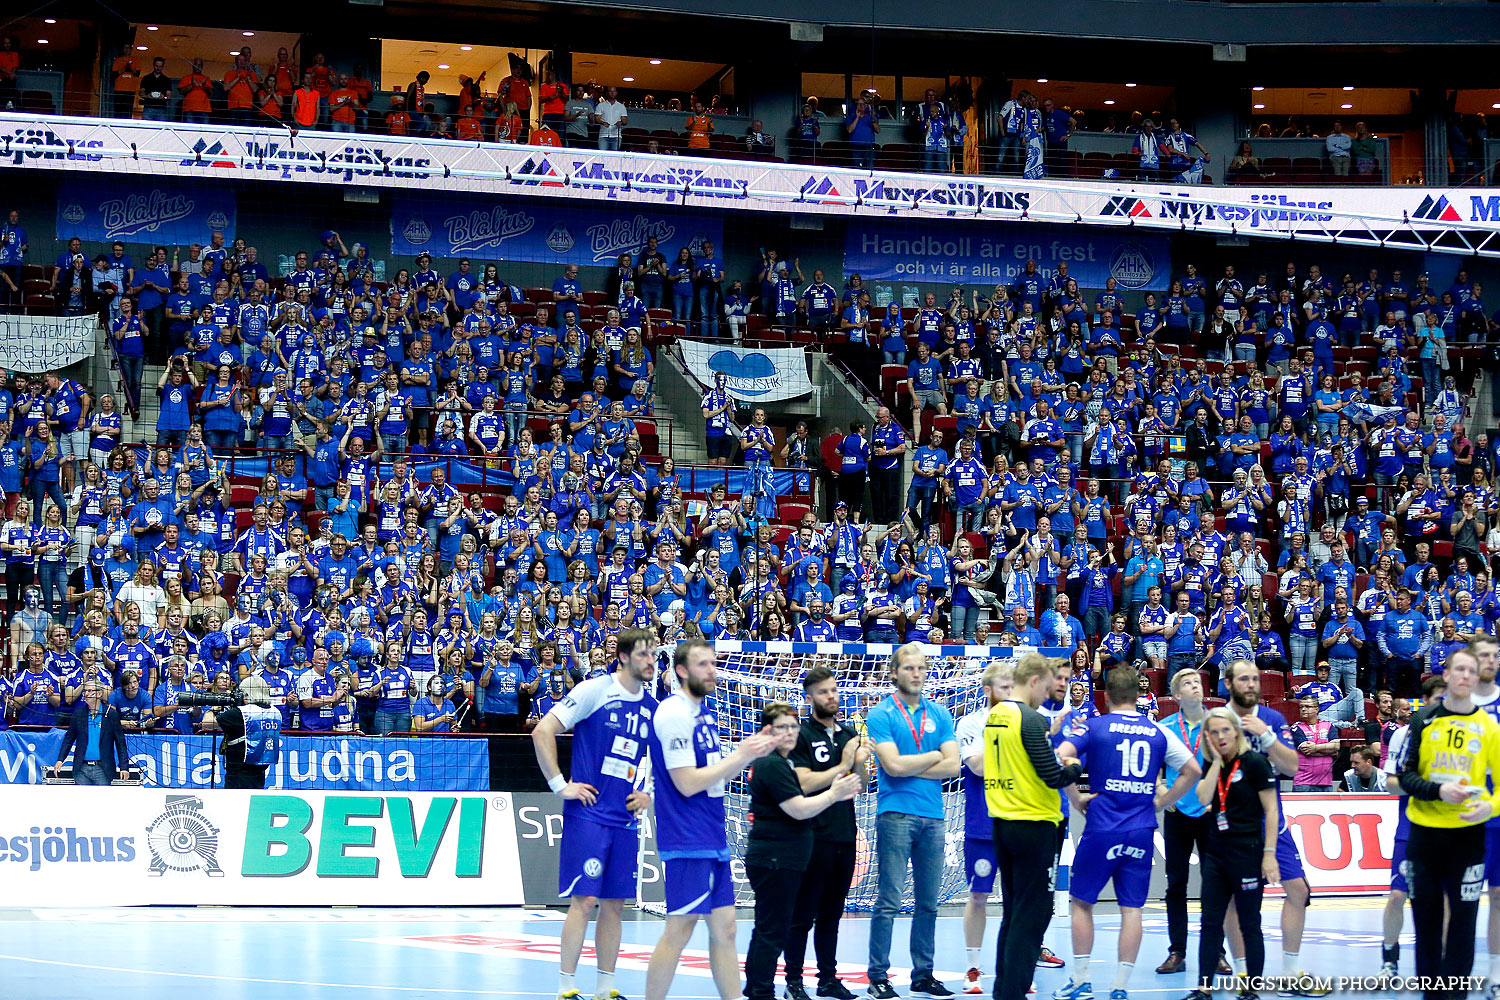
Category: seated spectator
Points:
column 1365, row 773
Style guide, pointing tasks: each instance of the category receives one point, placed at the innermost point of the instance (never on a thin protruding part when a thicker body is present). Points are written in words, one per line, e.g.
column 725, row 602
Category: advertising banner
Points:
column 168, row 213
column 755, row 375
column 136, row 846
column 539, row 824
column 348, row 763
column 516, row 230
column 35, row 344
column 1398, row 218
column 988, row 255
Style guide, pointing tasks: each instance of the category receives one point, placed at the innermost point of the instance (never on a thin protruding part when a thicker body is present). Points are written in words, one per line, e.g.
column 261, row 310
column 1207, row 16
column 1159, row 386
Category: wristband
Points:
column 1268, row 850
column 557, row 783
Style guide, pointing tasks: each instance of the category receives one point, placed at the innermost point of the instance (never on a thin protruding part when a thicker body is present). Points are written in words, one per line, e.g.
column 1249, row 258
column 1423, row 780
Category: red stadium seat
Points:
column 1272, row 684
column 1166, row 707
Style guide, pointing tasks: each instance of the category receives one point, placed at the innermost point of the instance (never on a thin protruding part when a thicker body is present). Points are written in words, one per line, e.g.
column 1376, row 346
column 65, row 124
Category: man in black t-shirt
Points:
column 826, row 749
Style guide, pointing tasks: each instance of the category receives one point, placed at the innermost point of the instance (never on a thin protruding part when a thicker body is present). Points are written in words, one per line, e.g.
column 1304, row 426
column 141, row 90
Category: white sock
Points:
column 1495, row 969
column 974, row 959
column 1289, row 965
column 1081, row 968
column 604, row 982
column 1122, row 974
column 564, row 982
column 1241, row 967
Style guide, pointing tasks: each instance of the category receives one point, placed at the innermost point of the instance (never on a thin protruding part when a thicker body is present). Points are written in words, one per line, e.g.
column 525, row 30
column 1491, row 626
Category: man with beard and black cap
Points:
column 826, row 749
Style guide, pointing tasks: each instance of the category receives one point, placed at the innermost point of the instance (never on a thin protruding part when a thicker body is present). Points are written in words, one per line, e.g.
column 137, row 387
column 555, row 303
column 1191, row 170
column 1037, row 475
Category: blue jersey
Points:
column 687, row 826
column 1124, row 753
column 611, row 732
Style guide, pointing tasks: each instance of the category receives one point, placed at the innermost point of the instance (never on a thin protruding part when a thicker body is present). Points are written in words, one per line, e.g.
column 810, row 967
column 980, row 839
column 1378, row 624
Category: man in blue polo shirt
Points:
column 917, row 749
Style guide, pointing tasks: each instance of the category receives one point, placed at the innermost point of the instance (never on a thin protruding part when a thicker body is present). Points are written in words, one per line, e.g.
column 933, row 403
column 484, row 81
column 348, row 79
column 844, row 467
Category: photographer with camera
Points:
column 252, row 734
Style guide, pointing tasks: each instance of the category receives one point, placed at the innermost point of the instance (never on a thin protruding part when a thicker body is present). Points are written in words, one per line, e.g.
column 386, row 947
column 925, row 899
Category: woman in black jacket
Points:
column 780, row 844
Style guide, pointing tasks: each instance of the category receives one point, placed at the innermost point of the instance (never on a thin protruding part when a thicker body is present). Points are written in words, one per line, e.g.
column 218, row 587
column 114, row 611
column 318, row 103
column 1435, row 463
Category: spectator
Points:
column 611, row 116
column 1246, row 164
column 861, row 126
column 96, row 738
column 759, row 141
column 1316, row 747
column 1340, row 146
column 1365, row 773
column 699, row 127
column 1365, row 150
column 156, row 92
column 578, row 113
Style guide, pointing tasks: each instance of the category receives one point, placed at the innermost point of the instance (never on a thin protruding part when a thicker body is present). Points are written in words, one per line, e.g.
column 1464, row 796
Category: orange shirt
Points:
column 362, row 88
column 397, row 122
column 508, row 128
column 322, row 79
column 513, row 88
column 270, row 105
column 554, row 97
column 305, row 107
column 9, row 63
column 698, row 128
column 469, row 128
column 544, row 136
column 284, row 80
column 342, row 102
column 127, row 75
column 195, row 88
column 239, row 87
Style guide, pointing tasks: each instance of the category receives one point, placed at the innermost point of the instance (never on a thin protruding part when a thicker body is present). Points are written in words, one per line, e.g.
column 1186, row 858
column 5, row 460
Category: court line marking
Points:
column 290, row 982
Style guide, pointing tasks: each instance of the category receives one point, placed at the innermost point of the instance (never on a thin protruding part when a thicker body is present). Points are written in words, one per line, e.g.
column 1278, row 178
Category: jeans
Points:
column 900, row 837
column 892, row 357
column 1303, row 651
column 131, row 366
column 221, row 440
column 936, row 161
column 971, row 516
column 1349, row 709
column 919, row 500
column 864, row 159
column 1244, row 352
column 155, row 114
column 39, row 491
column 682, row 305
column 651, row 295
column 965, row 619
column 338, row 126
column 392, row 722
column 1432, row 379
column 54, row 579
column 195, row 117
column 610, row 142
column 168, row 438
column 89, row 774
column 708, row 312
column 1344, row 673
column 276, row 442
column 515, row 419
column 1007, row 153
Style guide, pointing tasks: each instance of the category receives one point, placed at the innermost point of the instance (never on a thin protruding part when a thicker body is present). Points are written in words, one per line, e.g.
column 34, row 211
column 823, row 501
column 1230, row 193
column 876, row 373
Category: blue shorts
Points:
column 1288, row 861
column 697, row 885
column 1123, row 856
column 979, row 864
column 597, row 860
column 1398, row 865
column 1492, row 854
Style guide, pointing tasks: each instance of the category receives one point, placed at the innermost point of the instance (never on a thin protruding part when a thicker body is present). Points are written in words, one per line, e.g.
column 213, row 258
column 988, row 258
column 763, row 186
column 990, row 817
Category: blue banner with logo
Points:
column 331, row 763
column 516, row 230
column 988, row 255
column 166, row 212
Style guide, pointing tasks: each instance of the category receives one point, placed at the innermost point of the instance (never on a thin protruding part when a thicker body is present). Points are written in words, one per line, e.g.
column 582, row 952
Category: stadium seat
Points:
column 1166, row 707
column 1272, row 684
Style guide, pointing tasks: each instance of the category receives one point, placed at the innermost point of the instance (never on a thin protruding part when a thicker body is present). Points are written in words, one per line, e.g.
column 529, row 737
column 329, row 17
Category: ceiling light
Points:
column 1130, row 85
column 1348, row 88
column 152, row 27
column 43, row 41
column 1495, row 105
column 628, row 79
column 1041, row 79
column 49, row 20
column 1109, row 102
column 466, row 48
column 1346, row 107
column 656, row 62
column 138, row 48
column 1259, row 107
column 442, row 65
column 1257, row 88
column 234, row 52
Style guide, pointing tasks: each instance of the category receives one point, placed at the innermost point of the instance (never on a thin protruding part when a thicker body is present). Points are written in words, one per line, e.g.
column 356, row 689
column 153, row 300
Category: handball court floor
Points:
column 364, row 953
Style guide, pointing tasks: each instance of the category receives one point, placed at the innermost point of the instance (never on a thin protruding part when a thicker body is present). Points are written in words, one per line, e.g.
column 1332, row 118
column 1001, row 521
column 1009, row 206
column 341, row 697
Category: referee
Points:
column 1448, row 750
column 1021, row 778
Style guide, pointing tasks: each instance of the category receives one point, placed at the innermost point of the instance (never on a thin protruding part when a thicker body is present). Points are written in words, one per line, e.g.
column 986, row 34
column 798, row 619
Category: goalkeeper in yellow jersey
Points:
column 1450, row 748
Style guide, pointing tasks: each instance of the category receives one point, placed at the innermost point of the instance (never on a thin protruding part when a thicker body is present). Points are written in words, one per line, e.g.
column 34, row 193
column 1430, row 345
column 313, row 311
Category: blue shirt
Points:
column 611, row 734
column 688, row 826
column 889, row 722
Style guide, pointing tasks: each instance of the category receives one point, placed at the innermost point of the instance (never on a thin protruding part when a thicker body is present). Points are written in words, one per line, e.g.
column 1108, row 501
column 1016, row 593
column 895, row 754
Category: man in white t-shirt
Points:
column 610, row 115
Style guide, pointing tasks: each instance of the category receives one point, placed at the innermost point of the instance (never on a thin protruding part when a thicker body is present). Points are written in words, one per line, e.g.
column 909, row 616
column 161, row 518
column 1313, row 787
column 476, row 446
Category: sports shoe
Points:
column 880, row 989
column 1174, row 963
column 1302, row 986
column 1031, row 990
column 834, row 988
column 795, row 991
column 570, row 995
column 1118, row 995
column 611, row 995
column 1198, row 995
column 1389, row 970
column 927, row 986
column 1494, row 989
column 971, row 982
column 1047, row 960
column 1074, row 991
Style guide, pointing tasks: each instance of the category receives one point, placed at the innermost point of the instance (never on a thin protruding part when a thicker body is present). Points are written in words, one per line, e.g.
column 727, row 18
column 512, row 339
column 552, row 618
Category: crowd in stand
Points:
column 1078, row 482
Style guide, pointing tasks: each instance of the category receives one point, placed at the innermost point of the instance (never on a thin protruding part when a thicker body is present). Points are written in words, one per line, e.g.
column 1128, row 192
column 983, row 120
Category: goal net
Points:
column 754, row 674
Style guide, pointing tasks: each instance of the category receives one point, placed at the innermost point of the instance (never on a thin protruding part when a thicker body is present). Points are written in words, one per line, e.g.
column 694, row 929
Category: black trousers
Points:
column 775, row 900
column 494, row 723
column 1025, row 858
column 1181, row 836
column 852, row 492
column 1225, row 867
column 18, row 577
column 819, row 908
column 1446, row 865
column 244, row 775
column 885, row 495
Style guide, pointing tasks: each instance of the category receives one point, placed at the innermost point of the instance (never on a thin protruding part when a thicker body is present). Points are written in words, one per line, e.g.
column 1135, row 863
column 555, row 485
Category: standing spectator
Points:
column 553, row 94
column 94, row 730
column 127, row 80
column 860, row 126
column 933, row 117
column 578, row 112
column 13, row 247
column 808, row 128
column 611, row 116
column 699, row 126
column 709, row 278
column 197, row 91
column 1178, row 144
column 156, row 93
column 1059, row 125
column 240, row 84
column 1365, row 773
column 1033, row 138
column 1365, row 152
column 1339, row 145
column 343, row 106
column 416, row 103
column 1012, row 116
